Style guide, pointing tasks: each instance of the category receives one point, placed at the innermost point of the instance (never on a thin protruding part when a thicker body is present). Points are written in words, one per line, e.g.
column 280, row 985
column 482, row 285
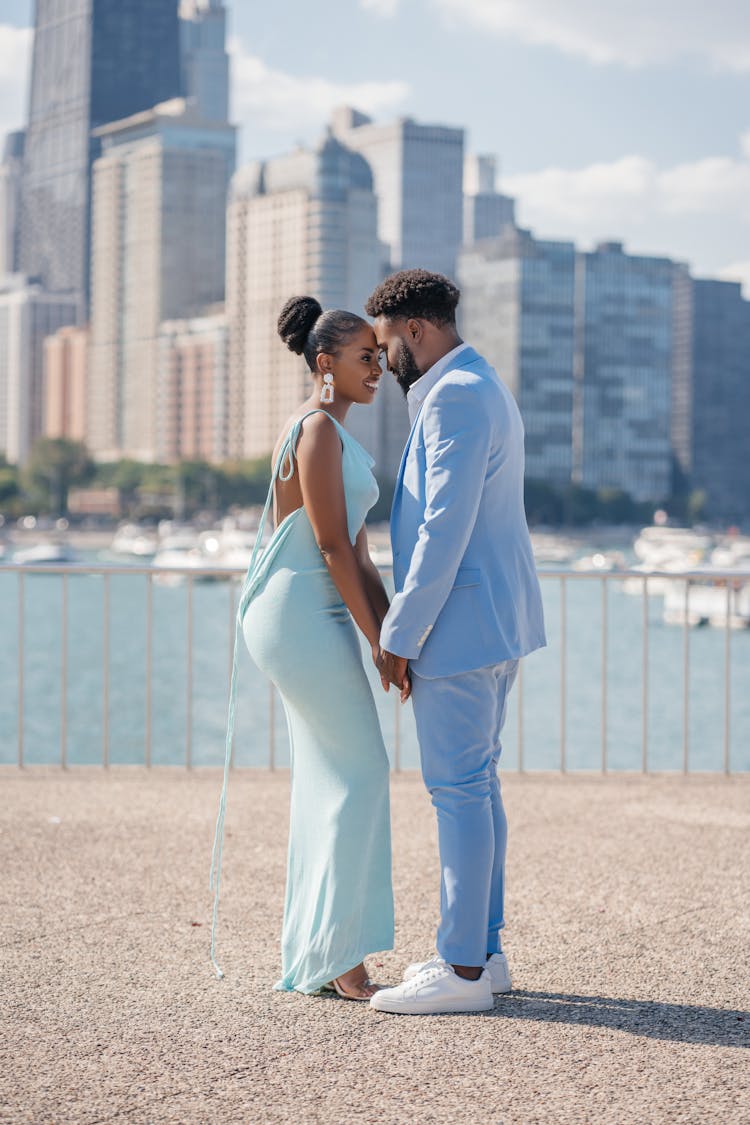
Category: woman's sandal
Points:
column 336, row 987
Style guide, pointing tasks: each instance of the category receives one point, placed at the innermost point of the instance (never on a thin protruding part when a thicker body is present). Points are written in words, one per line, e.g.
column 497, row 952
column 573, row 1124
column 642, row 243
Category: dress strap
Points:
column 288, row 451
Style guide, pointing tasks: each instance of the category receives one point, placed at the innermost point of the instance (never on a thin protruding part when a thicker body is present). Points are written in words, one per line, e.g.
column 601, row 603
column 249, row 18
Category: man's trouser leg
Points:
column 458, row 725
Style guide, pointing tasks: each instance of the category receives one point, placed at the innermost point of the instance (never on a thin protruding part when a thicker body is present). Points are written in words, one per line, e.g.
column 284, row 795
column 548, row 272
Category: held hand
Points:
column 394, row 670
column 377, row 660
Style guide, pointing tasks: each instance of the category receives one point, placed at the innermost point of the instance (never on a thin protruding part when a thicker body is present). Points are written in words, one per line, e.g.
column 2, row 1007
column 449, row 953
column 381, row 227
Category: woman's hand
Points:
column 394, row 670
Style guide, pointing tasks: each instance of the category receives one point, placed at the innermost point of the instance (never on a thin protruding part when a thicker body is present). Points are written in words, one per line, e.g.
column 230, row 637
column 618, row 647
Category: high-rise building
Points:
column 10, row 201
column 711, row 402
column 305, row 223
column 418, row 176
column 204, row 59
column 28, row 315
column 486, row 210
column 65, row 364
column 625, row 361
column 518, row 309
column 158, row 253
column 94, row 61
column 192, row 389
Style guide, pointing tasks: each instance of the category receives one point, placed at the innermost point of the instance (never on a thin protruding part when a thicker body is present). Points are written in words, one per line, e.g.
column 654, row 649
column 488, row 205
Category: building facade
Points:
column 158, row 253
column 203, row 56
column 626, row 310
column 28, row 315
column 711, row 422
column 518, row 309
column 192, row 389
column 10, row 202
column 65, row 383
column 94, row 61
column 418, row 178
column 486, row 210
column 305, row 223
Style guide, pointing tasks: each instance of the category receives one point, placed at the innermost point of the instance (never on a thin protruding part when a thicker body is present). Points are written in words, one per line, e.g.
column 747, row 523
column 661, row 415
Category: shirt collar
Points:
column 419, row 389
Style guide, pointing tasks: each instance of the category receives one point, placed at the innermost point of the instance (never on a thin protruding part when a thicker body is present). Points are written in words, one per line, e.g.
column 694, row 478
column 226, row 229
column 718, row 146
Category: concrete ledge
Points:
column 628, row 932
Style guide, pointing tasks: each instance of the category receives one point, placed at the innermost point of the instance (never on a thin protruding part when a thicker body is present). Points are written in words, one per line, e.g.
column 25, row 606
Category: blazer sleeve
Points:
column 457, row 433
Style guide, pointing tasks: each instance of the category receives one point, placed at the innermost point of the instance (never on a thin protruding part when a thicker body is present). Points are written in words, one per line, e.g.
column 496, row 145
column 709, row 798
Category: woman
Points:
column 298, row 611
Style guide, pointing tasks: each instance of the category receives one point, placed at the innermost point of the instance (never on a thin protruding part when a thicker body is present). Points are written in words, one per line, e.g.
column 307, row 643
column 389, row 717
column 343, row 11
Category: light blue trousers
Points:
column 459, row 721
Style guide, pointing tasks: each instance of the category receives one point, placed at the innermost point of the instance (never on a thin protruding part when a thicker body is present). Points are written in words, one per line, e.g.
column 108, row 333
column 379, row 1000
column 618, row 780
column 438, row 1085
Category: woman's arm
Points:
column 322, row 484
column 373, row 581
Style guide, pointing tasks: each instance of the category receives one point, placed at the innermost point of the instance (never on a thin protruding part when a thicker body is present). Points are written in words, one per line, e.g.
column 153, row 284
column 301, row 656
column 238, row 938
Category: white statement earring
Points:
column 326, row 391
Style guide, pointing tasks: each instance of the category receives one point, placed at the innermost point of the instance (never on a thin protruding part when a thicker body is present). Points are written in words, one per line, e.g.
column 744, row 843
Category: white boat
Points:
column 178, row 553
column 43, row 554
column 658, row 545
column 551, row 549
column 732, row 553
column 706, row 603
column 603, row 561
column 135, row 542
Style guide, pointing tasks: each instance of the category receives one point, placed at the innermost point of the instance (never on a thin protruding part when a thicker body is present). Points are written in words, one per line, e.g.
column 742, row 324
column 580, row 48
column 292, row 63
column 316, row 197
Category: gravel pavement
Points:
column 628, row 927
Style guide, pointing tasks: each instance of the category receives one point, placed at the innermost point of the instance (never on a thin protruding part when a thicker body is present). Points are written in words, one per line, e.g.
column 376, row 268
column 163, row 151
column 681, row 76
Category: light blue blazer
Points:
column 467, row 593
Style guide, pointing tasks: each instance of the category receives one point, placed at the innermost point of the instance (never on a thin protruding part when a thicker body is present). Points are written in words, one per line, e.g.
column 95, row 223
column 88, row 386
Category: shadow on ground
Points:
column 679, row 1023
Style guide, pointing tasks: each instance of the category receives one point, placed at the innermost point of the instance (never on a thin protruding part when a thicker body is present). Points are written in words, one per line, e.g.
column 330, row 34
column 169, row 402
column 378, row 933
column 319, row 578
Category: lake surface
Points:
column 257, row 716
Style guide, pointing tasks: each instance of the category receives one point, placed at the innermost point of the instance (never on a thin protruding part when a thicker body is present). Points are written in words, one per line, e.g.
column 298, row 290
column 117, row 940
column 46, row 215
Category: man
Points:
column 467, row 607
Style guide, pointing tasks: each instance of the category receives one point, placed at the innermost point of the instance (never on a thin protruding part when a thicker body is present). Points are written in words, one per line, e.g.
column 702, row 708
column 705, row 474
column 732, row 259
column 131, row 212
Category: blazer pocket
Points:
column 467, row 576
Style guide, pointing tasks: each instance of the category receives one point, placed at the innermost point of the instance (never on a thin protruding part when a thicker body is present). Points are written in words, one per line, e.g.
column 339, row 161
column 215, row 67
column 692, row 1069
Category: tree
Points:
column 55, row 465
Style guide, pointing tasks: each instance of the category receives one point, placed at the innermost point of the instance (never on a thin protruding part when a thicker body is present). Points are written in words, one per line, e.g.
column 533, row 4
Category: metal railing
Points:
column 731, row 580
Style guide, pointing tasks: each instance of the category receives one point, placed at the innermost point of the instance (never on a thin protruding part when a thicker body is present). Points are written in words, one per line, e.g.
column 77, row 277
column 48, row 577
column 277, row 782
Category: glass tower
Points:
column 94, row 61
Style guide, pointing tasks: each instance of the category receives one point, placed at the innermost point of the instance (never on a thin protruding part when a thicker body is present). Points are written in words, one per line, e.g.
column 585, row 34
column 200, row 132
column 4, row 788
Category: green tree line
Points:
column 42, row 487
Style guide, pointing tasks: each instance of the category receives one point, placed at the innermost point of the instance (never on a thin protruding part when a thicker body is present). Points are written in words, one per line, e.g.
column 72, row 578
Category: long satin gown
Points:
column 339, row 899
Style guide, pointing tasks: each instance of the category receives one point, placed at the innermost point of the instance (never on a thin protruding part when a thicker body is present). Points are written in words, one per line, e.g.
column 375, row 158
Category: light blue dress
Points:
column 339, row 899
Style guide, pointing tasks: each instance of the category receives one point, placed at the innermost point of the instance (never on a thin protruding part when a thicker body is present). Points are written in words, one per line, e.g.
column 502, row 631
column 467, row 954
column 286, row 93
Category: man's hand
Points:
column 394, row 670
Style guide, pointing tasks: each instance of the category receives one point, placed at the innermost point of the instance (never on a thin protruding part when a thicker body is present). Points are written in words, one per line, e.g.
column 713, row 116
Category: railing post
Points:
column 605, row 631
column 644, row 698
column 727, row 680
column 64, row 676
column 686, row 681
column 563, row 673
column 397, row 734
column 189, row 702
column 149, row 663
column 21, row 661
column 105, row 674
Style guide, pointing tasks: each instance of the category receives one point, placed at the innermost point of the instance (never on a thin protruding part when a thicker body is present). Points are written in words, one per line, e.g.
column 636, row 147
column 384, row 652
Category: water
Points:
column 212, row 615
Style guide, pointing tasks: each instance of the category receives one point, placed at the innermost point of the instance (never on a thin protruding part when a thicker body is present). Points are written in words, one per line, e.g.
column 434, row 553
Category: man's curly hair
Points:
column 415, row 293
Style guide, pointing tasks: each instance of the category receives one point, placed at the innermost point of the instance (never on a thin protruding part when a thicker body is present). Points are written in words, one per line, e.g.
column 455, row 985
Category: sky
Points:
column 626, row 121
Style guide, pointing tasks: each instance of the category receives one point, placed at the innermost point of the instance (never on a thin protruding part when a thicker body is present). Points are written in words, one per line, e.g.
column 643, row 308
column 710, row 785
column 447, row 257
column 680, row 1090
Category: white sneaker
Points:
column 437, row 988
column 497, row 967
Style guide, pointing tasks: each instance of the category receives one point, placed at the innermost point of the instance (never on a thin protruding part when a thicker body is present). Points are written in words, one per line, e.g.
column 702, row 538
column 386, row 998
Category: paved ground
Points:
column 628, row 935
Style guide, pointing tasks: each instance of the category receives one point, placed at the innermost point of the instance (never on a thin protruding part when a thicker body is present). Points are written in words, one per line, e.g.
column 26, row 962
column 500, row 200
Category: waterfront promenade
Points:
column 628, row 936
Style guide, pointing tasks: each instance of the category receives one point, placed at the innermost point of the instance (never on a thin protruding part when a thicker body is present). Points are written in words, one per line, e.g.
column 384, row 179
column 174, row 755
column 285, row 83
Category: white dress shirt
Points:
column 420, row 389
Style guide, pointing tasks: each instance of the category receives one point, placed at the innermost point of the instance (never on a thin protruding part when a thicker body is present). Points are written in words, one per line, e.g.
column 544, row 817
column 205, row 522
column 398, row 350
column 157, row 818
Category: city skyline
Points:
column 650, row 138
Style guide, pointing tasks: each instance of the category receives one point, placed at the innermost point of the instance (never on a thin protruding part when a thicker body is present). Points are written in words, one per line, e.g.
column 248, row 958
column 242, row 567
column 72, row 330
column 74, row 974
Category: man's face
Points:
column 395, row 342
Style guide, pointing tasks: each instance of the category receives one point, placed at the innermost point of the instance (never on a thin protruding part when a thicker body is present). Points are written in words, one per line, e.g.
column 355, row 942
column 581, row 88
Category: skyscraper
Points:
column 27, row 315
column 65, row 367
column 711, row 423
column 94, row 61
column 159, row 212
column 302, row 223
column 626, row 310
column 486, row 210
column 10, row 201
column 418, row 176
column 518, row 309
column 204, row 59
column 192, row 389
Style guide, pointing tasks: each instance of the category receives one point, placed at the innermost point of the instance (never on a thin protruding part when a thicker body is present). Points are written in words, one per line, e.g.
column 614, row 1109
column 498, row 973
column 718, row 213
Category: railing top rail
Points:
column 712, row 575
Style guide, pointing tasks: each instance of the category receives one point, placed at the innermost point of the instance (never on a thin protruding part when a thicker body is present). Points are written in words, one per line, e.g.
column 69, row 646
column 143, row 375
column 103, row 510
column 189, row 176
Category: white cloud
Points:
column 737, row 271
column 277, row 100
column 384, row 8
column 638, row 33
column 15, row 45
column 697, row 211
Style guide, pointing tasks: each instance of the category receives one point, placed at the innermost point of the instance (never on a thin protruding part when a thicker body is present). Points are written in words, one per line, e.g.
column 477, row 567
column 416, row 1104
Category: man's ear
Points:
column 415, row 329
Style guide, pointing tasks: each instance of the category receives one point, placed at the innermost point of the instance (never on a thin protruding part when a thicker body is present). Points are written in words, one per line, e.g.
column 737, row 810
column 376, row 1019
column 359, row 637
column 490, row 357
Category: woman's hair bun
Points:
column 296, row 321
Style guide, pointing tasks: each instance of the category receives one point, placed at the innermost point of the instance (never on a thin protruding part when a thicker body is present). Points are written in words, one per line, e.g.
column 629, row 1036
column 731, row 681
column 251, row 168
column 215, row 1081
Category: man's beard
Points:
column 406, row 371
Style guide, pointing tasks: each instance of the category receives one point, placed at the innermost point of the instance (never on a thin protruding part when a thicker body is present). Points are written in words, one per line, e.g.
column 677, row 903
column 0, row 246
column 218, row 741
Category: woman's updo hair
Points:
column 308, row 331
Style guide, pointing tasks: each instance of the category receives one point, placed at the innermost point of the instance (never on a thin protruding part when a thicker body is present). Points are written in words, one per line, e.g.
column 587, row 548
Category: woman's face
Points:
column 355, row 367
